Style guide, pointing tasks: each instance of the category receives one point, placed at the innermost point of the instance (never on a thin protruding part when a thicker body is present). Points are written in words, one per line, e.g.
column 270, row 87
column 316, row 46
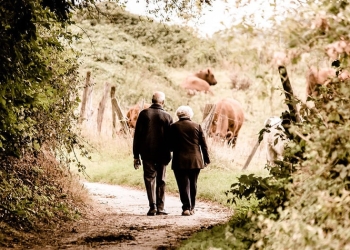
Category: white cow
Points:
column 275, row 139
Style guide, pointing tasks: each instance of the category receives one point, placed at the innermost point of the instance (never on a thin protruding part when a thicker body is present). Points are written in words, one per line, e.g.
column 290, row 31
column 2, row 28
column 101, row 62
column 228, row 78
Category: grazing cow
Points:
column 133, row 114
column 275, row 139
column 200, row 81
column 227, row 121
column 322, row 76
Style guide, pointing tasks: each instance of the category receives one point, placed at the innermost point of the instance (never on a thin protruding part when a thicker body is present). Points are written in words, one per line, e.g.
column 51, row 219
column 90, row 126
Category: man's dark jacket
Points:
column 188, row 144
column 151, row 137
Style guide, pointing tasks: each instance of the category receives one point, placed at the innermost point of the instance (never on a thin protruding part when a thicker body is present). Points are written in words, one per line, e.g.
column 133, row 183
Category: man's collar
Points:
column 156, row 106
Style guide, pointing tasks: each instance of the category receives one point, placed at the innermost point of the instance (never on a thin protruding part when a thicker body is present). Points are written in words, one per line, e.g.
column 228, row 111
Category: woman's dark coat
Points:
column 187, row 141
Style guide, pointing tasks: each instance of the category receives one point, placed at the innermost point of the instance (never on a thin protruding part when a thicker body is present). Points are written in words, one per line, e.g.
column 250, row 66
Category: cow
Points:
column 316, row 77
column 275, row 139
column 133, row 114
column 227, row 121
column 200, row 81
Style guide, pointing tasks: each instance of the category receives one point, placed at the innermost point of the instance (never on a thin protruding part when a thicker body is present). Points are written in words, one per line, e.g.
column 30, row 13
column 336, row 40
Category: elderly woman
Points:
column 190, row 155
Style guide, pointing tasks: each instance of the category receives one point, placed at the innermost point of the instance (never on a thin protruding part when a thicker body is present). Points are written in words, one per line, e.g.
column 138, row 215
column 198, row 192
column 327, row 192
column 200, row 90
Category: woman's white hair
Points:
column 184, row 111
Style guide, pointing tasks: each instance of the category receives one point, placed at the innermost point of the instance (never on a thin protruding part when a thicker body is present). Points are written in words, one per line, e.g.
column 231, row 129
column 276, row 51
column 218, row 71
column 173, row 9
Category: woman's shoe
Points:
column 186, row 213
column 162, row 212
column 152, row 212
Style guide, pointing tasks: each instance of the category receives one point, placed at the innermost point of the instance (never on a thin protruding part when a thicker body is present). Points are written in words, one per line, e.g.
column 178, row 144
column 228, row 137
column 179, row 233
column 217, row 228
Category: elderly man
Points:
column 151, row 143
column 190, row 155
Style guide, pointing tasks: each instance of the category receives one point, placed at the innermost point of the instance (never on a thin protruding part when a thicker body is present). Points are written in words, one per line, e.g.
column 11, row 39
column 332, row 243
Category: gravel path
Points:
column 118, row 221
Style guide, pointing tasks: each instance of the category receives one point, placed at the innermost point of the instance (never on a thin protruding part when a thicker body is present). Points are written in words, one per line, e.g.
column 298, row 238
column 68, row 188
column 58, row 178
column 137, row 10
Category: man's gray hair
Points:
column 184, row 111
column 158, row 97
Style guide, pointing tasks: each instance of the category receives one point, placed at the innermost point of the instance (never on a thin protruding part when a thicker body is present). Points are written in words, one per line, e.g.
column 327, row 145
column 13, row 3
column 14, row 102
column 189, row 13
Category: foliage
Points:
column 36, row 195
column 35, row 191
column 174, row 43
column 238, row 233
column 318, row 197
column 303, row 203
column 37, row 98
column 39, row 79
column 268, row 190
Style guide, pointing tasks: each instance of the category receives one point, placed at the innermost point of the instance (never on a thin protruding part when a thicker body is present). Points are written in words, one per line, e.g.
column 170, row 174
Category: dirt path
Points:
column 118, row 221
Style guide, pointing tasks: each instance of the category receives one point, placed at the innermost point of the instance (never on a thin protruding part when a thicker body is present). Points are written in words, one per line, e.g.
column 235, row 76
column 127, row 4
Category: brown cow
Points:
column 227, row 121
column 133, row 114
column 200, row 81
column 322, row 76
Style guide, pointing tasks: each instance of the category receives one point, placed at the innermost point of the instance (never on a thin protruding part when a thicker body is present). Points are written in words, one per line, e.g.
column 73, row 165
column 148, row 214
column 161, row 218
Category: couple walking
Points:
column 155, row 137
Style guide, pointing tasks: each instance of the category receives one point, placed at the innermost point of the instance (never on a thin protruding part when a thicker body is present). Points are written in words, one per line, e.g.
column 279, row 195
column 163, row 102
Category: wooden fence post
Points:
column 288, row 91
column 117, row 112
column 101, row 107
column 114, row 118
column 86, row 109
column 250, row 157
column 208, row 115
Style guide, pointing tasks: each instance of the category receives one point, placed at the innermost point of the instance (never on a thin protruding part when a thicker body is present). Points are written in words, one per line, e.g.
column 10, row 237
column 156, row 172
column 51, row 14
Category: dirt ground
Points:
column 118, row 220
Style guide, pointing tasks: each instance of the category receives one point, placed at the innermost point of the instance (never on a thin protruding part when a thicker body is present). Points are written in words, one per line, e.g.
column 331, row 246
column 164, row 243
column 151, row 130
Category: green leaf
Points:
column 36, row 145
column 334, row 117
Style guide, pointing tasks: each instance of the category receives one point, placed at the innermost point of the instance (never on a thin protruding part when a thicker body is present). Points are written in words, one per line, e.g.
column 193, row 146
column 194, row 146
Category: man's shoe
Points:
column 162, row 212
column 186, row 213
column 152, row 212
column 192, row 212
